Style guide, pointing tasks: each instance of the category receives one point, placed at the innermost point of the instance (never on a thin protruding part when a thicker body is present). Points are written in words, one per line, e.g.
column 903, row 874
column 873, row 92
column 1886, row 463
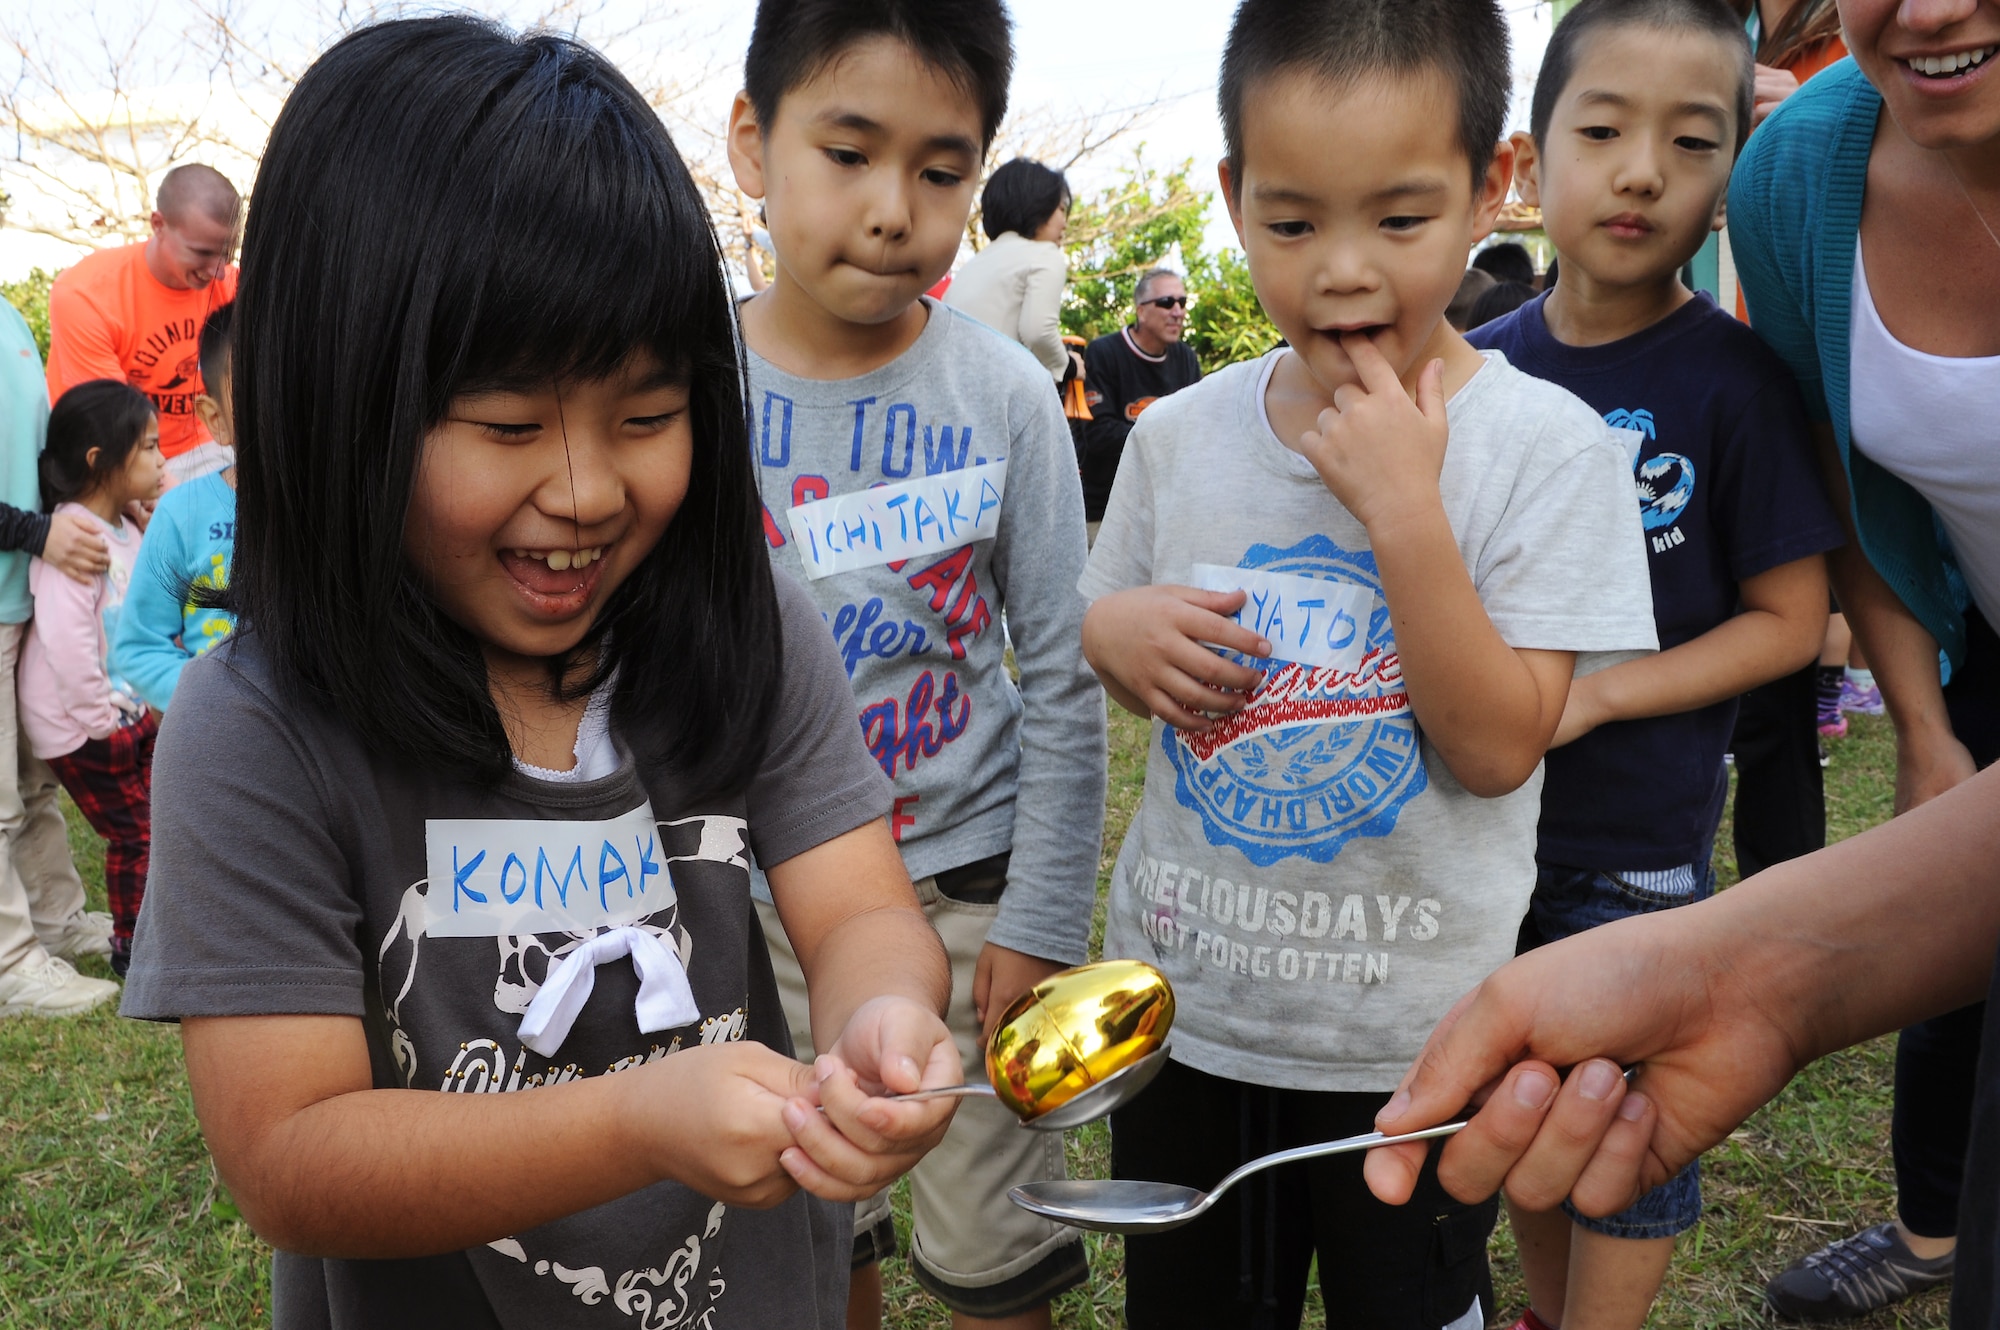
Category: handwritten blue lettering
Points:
column 513, row 861
column 648, row 866
column 575, row 870
column 459, row 874
column 605, row 858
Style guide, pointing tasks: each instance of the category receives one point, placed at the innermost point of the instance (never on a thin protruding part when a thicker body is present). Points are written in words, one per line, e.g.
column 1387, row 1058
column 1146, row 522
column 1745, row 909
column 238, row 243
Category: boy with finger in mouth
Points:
column 1400, row 546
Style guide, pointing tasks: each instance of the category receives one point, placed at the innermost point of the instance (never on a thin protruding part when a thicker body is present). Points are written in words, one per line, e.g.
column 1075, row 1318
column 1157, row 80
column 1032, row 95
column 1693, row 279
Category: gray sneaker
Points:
column 1853, row 1277
column 45, row 985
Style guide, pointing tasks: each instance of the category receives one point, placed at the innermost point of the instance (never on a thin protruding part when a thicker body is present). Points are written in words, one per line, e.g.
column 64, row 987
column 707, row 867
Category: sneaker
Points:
column 1825, row 758
column 1853, row 1277
column 45, row 985
column 85, row 933
column 1832, row 725
column 1860, row 701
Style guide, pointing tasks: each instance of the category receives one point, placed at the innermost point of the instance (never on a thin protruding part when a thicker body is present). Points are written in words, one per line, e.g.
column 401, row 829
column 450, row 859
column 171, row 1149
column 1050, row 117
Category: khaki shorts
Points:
column 975, row 1250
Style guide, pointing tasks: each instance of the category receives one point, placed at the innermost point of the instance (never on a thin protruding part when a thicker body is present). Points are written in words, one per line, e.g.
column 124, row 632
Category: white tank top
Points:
column 1934, row 423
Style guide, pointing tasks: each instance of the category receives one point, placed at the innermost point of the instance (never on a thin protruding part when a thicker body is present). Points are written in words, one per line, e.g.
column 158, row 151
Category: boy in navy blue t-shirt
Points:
column 1637, row 116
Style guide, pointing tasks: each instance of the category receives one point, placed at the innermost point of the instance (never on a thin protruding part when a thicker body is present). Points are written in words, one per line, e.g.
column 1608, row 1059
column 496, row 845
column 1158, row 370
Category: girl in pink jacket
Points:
column 103, row 456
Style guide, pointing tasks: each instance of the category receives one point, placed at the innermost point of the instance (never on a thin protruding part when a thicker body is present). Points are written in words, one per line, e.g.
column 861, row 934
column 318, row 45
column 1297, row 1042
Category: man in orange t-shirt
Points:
column 135, row 312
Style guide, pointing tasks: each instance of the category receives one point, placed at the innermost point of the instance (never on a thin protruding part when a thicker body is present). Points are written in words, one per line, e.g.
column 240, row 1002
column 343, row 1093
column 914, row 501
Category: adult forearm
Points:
column 1477, row 701
column 1901, row 651
column 1880, row 930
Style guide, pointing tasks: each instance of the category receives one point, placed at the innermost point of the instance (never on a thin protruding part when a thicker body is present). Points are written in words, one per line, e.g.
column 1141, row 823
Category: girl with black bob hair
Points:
column 1021, row 197
column 515, row 695
column 93, row 430
column 1015, row 285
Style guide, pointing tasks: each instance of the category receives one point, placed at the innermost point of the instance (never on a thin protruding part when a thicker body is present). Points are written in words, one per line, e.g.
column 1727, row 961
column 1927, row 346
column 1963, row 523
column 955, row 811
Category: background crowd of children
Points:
column 1428, row 687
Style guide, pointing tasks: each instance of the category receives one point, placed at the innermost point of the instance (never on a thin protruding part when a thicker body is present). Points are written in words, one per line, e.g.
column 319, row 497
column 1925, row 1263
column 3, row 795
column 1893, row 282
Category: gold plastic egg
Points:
column 1073, row 1030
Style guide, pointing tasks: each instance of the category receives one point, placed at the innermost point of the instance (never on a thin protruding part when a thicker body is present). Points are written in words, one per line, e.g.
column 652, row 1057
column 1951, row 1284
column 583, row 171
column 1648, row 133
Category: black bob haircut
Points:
column 213, row 348
column 1714, row 17
column 445, row 206
column 109, row 415
column 1343, row 41
column 969, row 42
column 1020, row 196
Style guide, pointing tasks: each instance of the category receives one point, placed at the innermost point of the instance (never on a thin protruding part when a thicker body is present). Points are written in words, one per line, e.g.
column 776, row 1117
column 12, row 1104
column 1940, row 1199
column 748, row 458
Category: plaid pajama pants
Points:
column 111, row 780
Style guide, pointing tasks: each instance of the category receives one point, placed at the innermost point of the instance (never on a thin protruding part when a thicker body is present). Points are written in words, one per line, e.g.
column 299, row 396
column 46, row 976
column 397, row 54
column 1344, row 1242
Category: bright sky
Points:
column 1087, row 54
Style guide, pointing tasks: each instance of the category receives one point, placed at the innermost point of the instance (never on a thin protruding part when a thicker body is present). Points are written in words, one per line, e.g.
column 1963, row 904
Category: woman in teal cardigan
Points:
column 1916, row 195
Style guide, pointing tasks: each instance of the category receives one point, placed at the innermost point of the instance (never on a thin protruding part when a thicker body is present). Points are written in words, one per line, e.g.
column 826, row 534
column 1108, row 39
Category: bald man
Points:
column 135, row 312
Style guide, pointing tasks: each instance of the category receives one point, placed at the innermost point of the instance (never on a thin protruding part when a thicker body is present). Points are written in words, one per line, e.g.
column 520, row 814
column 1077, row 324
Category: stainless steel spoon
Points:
column 1121, row 1205
column 1114, row 1091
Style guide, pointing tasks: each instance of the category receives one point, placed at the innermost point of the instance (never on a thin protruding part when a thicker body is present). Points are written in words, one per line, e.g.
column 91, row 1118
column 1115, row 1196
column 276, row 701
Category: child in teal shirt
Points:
column 186, row 550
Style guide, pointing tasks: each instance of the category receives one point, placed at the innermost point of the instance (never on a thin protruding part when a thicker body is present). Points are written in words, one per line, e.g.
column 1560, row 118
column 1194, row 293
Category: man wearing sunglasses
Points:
column 1126, row 372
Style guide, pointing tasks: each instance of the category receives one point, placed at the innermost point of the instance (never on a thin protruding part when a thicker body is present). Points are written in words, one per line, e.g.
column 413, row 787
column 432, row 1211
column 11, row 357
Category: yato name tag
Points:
column 890, row 523
column 502, row 877
column 1309, row 620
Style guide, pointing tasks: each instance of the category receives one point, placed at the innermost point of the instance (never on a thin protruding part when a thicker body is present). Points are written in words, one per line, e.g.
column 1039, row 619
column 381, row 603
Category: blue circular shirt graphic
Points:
column 1319, row 756
column 1666, row 484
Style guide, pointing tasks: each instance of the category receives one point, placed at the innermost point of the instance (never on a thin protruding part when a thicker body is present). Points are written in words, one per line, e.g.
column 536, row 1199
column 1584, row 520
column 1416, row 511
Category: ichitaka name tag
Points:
column 501, row 877
column 1309, row 620
column 890, row 523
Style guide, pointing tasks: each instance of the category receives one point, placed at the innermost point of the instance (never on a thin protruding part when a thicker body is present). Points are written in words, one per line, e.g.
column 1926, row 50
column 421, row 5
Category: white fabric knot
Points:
column 665, row 1000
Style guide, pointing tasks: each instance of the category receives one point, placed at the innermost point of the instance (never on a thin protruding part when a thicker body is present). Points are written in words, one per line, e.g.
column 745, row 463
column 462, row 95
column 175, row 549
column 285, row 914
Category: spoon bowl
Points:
column 1123, row 1205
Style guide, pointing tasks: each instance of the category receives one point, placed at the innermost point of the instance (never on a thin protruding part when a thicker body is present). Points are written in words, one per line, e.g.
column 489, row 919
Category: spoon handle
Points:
column 1365, row 1141
column 946, row 1092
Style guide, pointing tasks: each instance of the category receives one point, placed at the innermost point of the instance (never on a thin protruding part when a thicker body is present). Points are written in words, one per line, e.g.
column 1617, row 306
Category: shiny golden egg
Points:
column 1073, row 1030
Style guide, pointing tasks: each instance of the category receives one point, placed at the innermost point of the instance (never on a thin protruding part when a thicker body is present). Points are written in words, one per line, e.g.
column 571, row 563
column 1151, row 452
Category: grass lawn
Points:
column 110, row 1213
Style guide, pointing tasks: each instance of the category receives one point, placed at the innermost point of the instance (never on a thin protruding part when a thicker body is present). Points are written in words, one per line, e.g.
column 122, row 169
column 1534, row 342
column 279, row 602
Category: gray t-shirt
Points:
column 960, row 445
column 296, row 872
column 1309, row 875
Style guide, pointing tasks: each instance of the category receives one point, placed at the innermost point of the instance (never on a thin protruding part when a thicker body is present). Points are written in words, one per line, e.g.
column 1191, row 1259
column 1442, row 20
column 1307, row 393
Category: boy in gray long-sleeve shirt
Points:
column 917, row 474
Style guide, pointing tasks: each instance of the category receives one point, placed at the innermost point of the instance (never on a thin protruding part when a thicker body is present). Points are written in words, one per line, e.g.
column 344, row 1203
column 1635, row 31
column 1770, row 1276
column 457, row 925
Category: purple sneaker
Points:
column 1860, row 701
column 1832, row 725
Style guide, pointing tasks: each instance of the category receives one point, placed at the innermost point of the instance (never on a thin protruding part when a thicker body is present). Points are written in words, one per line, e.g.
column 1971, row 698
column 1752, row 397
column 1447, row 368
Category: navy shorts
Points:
column 1570, row 900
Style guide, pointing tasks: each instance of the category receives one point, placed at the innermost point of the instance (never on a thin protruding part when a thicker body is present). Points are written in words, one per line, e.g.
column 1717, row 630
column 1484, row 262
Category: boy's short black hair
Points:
column 444, row 207
column 1020, row 196
column 213, row 349
column 1344, row 40
column 1508, row 261
column 1501, row 299
column 109, row 415
column 970, row 42
column 1714, row 17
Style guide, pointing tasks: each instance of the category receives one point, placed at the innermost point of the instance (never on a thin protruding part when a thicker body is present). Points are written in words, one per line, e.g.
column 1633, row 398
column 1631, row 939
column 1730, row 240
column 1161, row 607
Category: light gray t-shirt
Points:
column 1310, row 876
column 296, row 872
column 960, row 444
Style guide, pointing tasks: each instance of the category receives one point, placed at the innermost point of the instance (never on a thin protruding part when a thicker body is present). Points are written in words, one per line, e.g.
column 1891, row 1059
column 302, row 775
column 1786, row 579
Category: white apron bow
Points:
column 665, row 1000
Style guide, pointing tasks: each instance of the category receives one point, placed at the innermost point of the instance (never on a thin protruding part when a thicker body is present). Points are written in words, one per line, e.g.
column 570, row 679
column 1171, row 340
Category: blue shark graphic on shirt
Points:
column 1318, row 756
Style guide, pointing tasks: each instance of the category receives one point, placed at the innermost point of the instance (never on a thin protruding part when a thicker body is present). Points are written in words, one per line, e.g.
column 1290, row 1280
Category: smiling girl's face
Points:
column 534, row 502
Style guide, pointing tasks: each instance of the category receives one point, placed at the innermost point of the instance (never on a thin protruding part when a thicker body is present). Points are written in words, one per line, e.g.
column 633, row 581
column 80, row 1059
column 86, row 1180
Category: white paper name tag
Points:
column 499, row 877
column 930, row 515
column 1309, row 620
